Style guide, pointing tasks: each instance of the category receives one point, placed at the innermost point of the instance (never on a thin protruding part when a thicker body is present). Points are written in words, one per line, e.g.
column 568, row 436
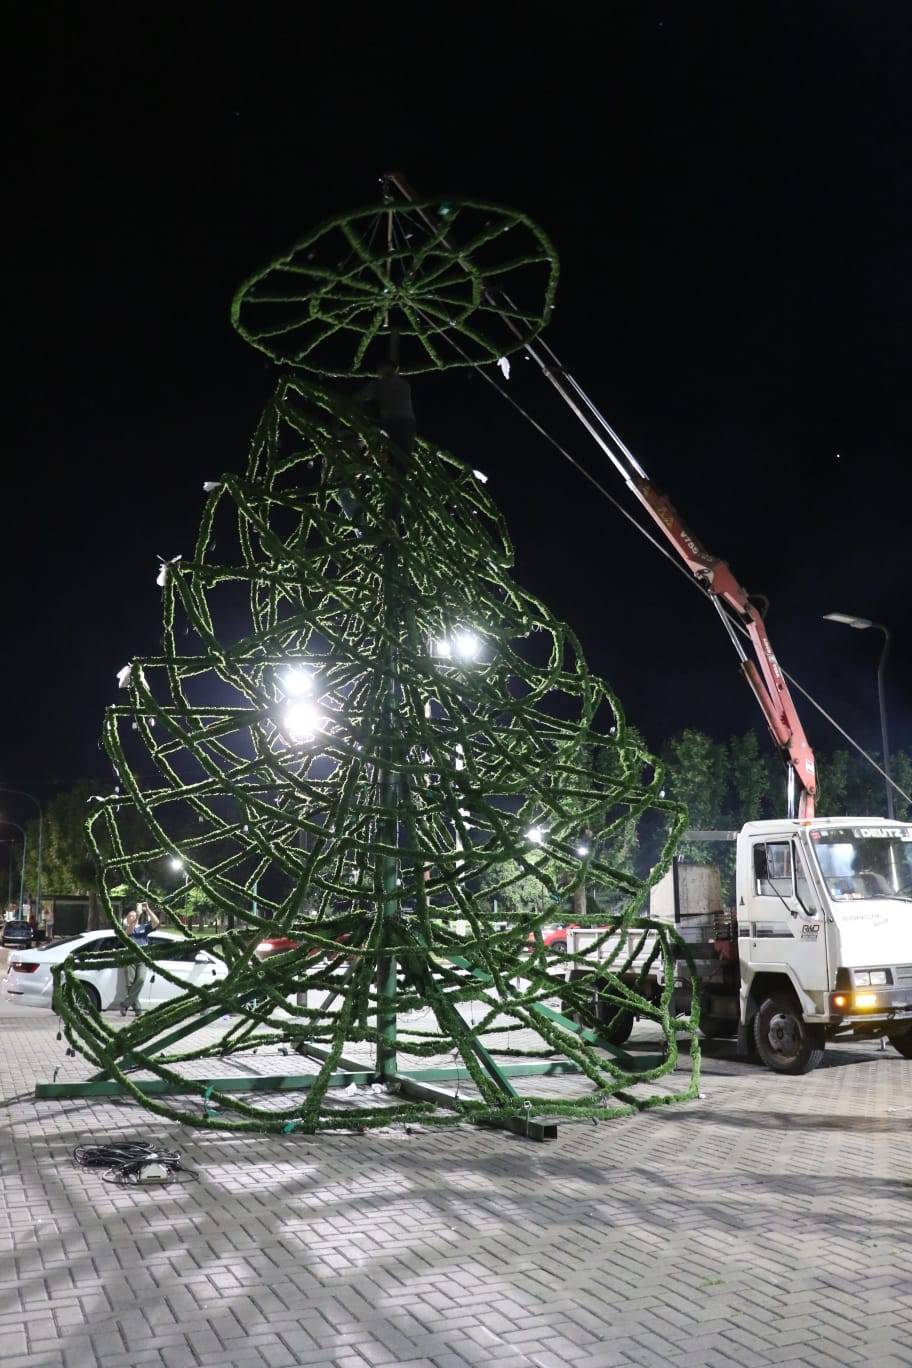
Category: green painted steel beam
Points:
column 309, row 1051
column 102, row 1087
column 239, row 1083
column 533, row 1127
column 547, row 1068
column 634, row 1063
column 130, row 1061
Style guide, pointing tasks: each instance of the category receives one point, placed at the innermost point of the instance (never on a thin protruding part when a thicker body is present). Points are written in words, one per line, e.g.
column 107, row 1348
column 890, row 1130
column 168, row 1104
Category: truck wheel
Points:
column 785, row 1042
column 903, row 1043
column 619, row 1032
column 717, row 1028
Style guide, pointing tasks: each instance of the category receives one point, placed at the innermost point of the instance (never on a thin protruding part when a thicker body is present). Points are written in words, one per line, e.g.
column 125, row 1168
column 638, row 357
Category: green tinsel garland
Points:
column 362, row 818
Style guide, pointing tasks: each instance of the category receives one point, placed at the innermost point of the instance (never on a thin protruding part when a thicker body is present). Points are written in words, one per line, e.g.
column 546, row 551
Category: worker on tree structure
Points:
column 388, row 401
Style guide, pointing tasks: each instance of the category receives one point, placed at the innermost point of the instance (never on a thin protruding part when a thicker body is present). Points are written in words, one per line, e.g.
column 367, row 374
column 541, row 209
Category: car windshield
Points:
column 62, row 940
column 865, row 862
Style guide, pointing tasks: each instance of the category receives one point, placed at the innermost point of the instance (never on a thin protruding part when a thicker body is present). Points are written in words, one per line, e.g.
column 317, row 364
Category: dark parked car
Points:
column 18, row 933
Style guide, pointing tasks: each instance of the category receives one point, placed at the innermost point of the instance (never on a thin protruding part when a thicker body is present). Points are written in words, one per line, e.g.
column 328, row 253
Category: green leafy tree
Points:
column 67, row 865
column 750, row 778
column 901, row 770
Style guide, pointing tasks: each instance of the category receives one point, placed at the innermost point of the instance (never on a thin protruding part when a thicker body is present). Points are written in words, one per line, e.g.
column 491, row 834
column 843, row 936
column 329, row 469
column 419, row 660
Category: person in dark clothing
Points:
column 388, row 401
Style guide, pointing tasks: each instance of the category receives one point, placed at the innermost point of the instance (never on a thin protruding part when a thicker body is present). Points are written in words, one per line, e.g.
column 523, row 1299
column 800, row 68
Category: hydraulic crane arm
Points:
column 731, row 601
column 763, row 674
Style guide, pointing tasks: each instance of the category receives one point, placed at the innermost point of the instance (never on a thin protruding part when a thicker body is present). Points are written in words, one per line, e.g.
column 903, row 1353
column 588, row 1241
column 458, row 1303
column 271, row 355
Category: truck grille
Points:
column 904, row 975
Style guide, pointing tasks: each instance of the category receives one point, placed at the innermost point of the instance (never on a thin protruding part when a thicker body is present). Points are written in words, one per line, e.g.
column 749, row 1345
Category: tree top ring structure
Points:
column 455, row 283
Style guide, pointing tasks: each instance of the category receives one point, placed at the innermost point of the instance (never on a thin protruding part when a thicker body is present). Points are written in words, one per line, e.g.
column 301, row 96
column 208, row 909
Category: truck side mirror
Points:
column 761, row 867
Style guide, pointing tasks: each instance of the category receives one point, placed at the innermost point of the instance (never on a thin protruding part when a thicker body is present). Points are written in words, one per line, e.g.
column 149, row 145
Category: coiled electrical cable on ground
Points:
column 126, row 1162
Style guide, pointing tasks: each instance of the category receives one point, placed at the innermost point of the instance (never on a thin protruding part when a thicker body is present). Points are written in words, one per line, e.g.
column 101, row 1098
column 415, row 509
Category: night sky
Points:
column 729, row 190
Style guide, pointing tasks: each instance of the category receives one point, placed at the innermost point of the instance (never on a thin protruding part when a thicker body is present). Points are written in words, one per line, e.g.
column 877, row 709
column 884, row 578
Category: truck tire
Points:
column 784, row 1041
column 619, row 1032
column 903, row 1043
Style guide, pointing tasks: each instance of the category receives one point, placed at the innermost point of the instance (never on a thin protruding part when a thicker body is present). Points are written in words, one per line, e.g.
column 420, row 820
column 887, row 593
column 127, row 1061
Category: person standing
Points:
column 137, row 924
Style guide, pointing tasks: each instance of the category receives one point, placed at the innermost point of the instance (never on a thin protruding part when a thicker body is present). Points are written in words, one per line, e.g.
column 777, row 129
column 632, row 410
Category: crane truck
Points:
column 819, row 943
column 818, row 946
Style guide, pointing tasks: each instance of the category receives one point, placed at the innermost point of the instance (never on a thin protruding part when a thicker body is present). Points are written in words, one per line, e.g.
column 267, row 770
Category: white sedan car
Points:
column 30, row 983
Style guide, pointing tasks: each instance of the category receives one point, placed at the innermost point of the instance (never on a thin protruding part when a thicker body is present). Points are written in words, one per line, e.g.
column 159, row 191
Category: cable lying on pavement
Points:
column 131, row 1162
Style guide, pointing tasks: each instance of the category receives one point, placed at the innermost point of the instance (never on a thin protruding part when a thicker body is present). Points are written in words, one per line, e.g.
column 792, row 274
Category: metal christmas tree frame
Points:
column 355, row 721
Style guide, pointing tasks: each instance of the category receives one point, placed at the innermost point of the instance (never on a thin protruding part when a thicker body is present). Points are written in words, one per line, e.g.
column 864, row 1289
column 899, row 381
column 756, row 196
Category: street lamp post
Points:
column 8, row 841
column 6, row 822
column 180, row 868
column 860, row 624
column 20, row 793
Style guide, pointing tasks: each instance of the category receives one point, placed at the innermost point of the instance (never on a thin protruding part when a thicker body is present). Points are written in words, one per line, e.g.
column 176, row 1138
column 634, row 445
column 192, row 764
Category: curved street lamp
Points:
column 9, row 841
column 20, row 793
column 5, row 821
column 861, row 624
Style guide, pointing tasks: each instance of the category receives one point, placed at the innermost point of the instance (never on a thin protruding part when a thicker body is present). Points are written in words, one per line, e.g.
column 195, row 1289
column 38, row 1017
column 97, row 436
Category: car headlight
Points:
column 861, row 977
column 879, row 976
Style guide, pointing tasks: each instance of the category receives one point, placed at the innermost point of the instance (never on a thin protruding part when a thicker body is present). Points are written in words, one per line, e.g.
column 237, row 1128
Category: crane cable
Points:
column 731, row 623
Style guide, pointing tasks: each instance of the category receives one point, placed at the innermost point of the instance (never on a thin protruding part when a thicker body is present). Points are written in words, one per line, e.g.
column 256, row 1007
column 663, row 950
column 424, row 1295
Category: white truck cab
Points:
column 818, row 945
column 824, row 922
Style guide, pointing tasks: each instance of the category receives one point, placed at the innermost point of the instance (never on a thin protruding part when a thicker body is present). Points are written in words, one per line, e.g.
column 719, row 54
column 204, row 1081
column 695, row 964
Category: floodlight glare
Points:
column 536, row 835
column 302, row 720
column 466, row 645
column 297, row 681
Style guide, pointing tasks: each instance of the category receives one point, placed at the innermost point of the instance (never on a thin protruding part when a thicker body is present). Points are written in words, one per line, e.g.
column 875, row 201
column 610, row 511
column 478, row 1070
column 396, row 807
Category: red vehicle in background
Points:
column 280, row 945
column 275, row 945
column 554, row 937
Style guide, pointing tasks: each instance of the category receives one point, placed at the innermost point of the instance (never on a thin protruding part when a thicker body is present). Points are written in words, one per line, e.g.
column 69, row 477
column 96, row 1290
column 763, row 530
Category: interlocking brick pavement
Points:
column 770, row 1223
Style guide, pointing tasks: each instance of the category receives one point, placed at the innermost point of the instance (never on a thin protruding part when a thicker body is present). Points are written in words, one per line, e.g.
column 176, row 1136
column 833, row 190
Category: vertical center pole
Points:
column 389, row 876
column 388, row 824
column 389, row 779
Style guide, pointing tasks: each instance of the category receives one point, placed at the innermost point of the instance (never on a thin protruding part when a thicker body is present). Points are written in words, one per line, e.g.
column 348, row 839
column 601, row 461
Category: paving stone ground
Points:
column 768, row 1223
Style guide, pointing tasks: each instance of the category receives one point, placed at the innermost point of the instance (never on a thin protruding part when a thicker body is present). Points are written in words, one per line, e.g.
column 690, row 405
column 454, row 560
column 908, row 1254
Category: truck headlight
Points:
column 865, row 999
column 862, row 977
column 879, row 976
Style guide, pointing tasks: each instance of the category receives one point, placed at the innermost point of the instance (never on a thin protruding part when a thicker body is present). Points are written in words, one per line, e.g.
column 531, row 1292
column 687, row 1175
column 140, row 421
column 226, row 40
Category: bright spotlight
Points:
column 442, row 649
column 302, row 720
column 466, row 645
column 176, row 864
column 582, row 851
column 297, row 681
column 536, row 835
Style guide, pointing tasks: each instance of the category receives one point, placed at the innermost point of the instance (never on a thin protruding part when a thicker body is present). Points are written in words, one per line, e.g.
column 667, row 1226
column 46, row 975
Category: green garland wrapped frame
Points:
column 354, row 721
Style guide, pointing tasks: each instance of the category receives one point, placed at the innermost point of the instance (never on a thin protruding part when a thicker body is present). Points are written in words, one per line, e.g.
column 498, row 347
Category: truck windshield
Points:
column 865, row 862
